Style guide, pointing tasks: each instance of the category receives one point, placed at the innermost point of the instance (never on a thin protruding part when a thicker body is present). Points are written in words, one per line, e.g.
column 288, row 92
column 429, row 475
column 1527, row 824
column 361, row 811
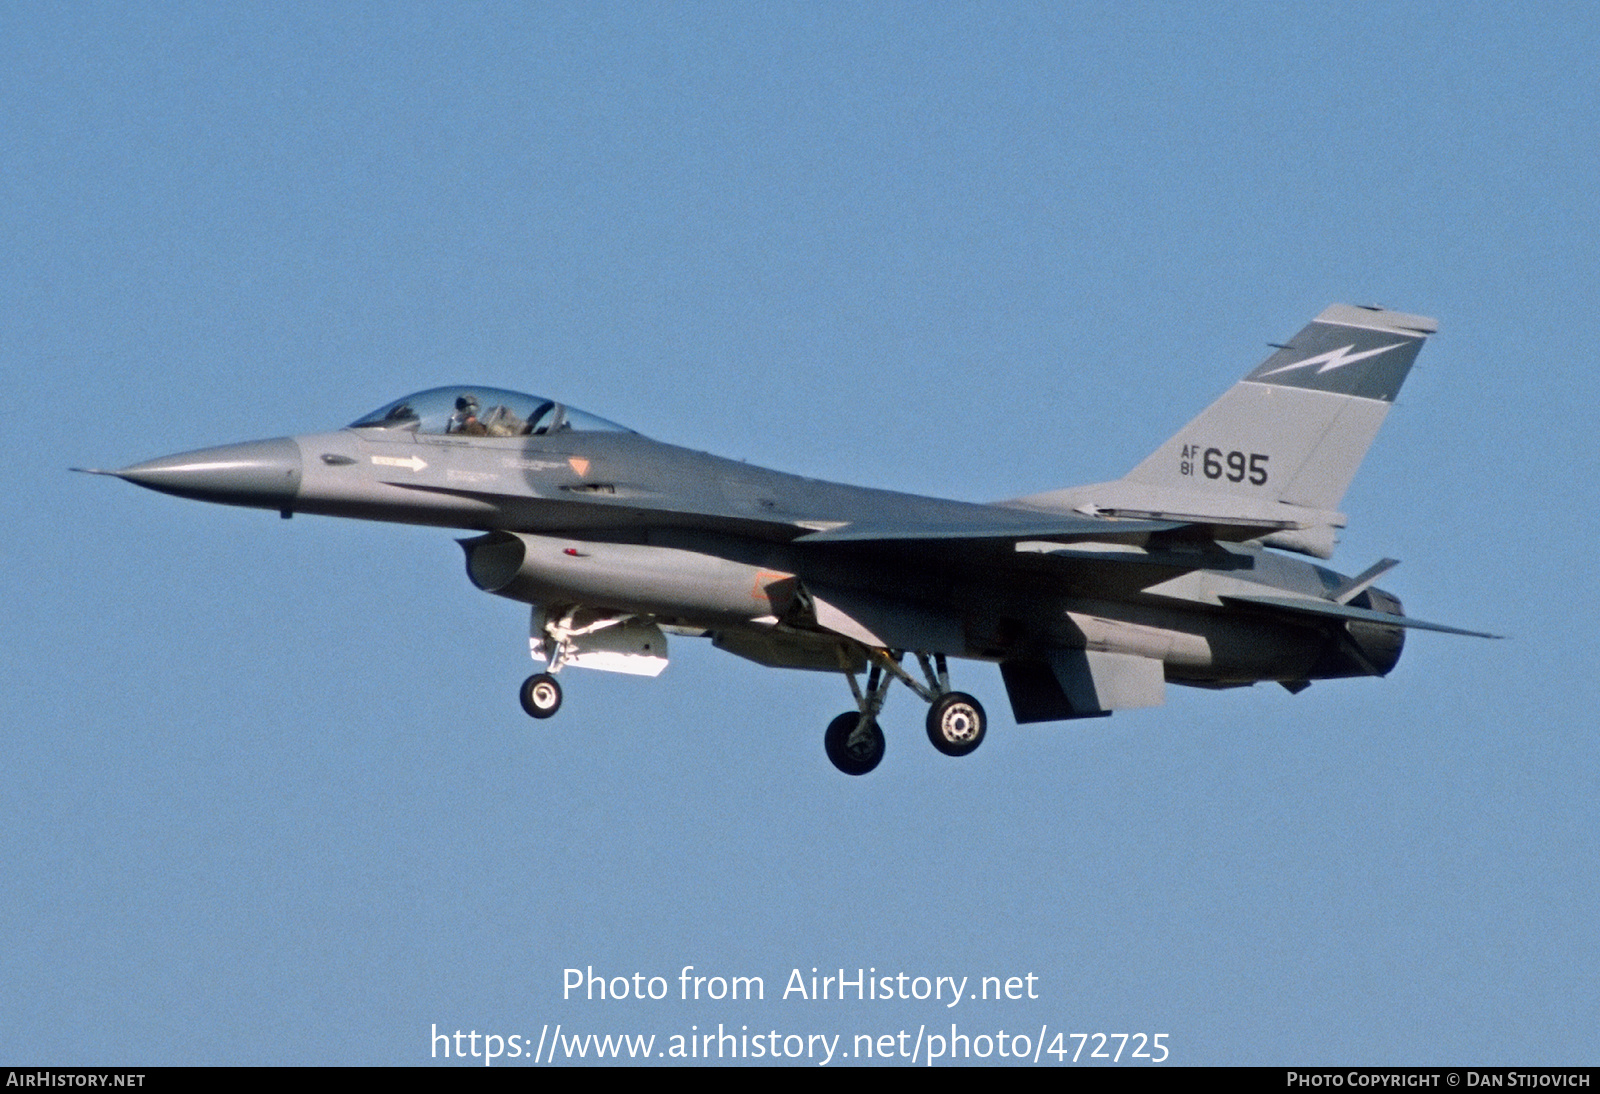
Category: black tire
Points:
column 957, row 723
column 540, row 695
column 864, row 757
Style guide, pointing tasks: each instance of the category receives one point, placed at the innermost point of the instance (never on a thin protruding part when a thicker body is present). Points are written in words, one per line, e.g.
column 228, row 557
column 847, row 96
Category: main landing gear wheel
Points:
column 956, row 723
column 859, row 757
column 540, row 695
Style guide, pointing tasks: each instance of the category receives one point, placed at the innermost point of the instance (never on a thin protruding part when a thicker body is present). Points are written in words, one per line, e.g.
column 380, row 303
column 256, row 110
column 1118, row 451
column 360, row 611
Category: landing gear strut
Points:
column 854, row 742
column 956, row 721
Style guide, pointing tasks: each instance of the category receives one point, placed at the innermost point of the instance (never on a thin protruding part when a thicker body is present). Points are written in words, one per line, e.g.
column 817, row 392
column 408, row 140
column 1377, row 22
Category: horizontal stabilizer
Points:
column 1327, row 609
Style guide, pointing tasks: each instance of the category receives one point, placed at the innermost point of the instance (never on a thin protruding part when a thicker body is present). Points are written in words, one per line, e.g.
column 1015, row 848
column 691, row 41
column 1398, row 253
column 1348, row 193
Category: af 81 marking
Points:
column 1214, row 463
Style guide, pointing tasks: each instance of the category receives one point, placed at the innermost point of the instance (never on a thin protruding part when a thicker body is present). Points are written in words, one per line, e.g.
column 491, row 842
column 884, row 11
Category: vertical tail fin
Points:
column 1281, row 446
column 1301, row 423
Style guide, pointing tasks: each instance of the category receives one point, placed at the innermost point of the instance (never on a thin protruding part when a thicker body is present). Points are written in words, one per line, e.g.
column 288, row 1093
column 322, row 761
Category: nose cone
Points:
column 264, row 474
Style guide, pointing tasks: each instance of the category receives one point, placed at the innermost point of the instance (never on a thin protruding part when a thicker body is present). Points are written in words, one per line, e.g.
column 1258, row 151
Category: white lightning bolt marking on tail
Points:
column 1334, row 358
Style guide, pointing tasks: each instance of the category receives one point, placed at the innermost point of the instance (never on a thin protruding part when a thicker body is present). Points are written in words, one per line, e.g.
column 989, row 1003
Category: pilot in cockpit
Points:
column 482, row 412
column 502, row 421
column 465, row 418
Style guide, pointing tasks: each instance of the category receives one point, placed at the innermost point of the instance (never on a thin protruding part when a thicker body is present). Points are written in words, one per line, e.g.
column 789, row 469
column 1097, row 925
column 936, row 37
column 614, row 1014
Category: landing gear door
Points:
column 589, row 639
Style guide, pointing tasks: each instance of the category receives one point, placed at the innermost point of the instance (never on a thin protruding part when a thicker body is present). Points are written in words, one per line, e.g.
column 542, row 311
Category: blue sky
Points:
column 270, row 795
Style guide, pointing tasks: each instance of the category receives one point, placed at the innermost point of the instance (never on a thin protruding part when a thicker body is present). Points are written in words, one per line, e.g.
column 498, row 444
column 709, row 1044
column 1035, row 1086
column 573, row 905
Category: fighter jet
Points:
column 1090, row 599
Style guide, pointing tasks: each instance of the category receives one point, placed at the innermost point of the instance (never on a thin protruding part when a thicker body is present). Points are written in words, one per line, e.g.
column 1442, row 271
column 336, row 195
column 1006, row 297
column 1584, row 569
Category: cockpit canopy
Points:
column 482, row 412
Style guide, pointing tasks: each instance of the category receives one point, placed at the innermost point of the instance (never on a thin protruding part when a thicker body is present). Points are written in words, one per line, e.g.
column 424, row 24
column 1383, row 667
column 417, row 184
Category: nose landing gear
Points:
column 540, row 695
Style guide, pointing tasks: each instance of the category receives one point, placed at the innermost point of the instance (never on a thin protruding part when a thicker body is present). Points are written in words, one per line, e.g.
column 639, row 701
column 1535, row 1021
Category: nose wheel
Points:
column 540, row 695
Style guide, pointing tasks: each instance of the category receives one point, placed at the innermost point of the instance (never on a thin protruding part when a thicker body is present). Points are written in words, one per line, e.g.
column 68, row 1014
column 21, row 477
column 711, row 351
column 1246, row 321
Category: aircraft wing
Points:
column 1327, row 609
column 1052, row 527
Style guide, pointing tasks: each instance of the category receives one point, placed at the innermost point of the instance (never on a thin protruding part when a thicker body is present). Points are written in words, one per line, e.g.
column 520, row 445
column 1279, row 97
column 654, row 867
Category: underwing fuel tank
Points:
column 630, row 577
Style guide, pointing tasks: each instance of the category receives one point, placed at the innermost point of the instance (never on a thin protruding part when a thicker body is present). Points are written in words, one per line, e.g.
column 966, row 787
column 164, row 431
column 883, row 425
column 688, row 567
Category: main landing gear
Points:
column 854, row 743
column 956, row 722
